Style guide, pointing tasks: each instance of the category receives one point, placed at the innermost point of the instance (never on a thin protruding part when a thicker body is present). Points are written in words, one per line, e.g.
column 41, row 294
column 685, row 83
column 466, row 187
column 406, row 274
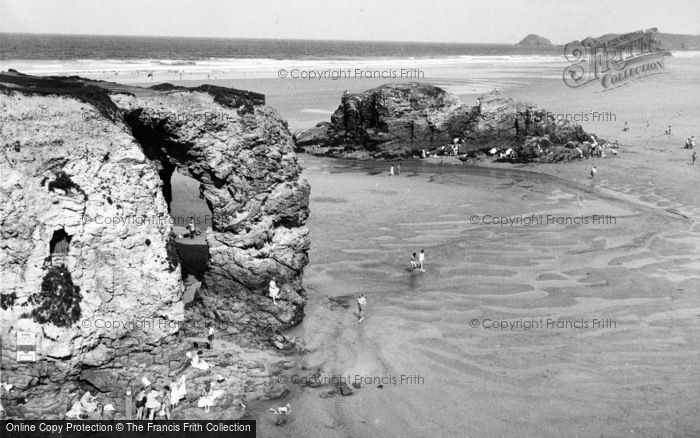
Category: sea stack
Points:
column 533, row 40
column 400, row 120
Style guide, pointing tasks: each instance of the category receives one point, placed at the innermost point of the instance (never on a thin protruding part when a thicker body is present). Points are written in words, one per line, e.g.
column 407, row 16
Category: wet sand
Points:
column 619, row 358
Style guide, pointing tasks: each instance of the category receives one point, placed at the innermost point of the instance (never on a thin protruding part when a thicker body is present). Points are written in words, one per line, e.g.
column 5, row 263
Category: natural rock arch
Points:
column 243, row 157
column 106, row 150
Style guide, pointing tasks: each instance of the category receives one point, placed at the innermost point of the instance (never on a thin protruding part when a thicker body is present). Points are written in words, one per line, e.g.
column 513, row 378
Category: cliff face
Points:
column 76, row 155
column 394, row 121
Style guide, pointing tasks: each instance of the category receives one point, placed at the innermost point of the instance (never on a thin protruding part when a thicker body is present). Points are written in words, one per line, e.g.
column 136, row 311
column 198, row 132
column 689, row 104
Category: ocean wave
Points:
column 686, row 54
column 262, row 65
column 174, row 62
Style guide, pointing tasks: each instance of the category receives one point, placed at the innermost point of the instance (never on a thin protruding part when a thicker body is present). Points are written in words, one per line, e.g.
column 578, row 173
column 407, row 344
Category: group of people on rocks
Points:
column 153, row 403
column 452, row 149
column 156, row 403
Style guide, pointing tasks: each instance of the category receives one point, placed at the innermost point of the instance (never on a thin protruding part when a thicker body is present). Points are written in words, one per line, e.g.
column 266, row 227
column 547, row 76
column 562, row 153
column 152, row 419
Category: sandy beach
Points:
column 551, row 328
column 626, row 286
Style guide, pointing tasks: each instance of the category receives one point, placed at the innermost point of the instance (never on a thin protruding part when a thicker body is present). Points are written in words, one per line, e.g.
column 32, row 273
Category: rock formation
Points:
column 399, row 120
column 533, row 40
column 88, row 256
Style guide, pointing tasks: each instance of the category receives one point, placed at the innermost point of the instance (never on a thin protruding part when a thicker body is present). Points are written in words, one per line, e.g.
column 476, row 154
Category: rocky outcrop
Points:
column 85, row 208
column 387, row 118
column 533, row 40
column 394, row 121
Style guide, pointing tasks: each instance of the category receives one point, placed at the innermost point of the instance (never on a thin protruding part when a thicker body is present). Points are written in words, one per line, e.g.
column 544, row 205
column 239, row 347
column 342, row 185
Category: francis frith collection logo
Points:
column 613, row 62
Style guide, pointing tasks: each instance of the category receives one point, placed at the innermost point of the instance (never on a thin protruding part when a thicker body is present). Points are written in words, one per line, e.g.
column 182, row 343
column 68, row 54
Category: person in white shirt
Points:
column 274, row 291
column 421, row 259
column 152, row 403
column 361, row 303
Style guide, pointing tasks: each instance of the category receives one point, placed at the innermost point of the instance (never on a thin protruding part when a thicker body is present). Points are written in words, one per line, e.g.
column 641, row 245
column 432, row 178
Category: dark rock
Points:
column 345, row 389
column 314, row 136
column 396, row 121
column 533, row 40
column 314, row 380
column 104, row 380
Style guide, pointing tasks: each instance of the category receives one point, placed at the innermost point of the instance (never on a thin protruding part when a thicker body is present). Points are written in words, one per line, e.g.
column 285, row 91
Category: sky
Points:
column 464, row 21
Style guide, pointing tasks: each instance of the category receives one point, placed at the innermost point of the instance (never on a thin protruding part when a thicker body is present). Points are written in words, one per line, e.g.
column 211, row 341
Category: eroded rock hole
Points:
column 190, row 217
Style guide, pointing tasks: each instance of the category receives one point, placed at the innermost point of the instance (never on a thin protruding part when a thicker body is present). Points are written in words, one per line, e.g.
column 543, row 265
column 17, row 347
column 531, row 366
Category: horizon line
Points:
column 552, row 44
column 268, row 39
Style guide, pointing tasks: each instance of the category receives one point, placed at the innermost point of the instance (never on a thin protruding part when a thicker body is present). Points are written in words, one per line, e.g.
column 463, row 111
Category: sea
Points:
column 303, row 79
column 191, row 50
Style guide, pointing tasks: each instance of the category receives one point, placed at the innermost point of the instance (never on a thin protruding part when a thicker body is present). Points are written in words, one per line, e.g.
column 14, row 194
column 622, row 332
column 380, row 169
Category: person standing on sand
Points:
column 398, row 169
column 361, row 303
column 627, row 127
column 391, row 170
column 421, row 259
column 694, row 156
column 593, row 171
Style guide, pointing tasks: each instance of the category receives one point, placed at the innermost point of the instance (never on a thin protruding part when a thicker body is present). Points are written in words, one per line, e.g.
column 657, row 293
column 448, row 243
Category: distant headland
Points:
column 533, row 40
column 665, row 41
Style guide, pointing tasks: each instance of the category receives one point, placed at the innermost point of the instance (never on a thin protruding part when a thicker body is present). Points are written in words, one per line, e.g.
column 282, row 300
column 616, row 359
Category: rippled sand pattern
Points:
column 637, row 279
